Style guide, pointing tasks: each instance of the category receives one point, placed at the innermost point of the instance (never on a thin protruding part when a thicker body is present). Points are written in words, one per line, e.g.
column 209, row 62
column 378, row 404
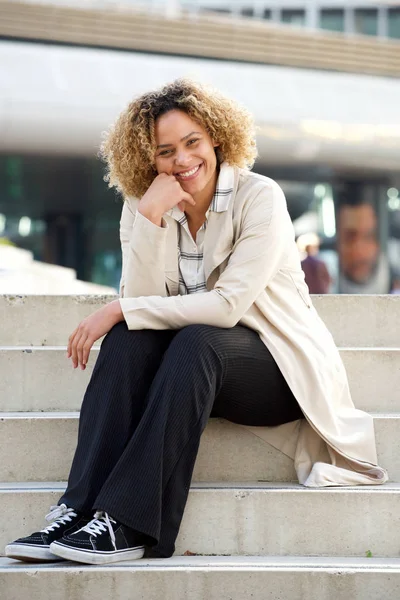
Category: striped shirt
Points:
column 192, row 278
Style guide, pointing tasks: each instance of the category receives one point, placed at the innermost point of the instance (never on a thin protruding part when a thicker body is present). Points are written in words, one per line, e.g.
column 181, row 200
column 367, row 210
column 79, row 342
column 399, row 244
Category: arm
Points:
column 143, row 233
column 143, row 254
column 257, row 256
column 143, row 239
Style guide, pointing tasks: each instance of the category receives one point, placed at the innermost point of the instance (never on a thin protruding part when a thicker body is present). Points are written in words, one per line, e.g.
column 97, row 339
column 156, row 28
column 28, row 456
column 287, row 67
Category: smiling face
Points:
column 185, row 150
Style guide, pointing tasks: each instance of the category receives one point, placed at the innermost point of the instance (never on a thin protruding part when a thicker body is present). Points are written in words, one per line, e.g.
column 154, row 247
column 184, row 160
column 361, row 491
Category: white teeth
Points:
column 189, row 173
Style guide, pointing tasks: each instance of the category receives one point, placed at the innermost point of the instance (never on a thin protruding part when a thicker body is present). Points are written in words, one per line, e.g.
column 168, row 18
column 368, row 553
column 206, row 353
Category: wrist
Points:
column 116, row 311
column 150, row 215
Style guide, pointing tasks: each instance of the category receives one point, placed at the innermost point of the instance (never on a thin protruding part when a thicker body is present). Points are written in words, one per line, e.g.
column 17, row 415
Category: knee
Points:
column 115, row 335
column 125, row 344
column 195, row 339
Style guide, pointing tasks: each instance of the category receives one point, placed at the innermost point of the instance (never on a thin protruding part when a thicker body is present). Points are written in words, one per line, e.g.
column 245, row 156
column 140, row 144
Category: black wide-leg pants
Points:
column 145, row 408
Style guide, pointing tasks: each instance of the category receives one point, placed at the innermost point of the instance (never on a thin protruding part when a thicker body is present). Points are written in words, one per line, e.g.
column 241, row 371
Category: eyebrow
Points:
column 182, row 140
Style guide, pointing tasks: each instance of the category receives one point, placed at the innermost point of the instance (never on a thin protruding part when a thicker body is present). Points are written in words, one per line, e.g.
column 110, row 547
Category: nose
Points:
column 362, row 249
column 182, row 158
column 356, row 249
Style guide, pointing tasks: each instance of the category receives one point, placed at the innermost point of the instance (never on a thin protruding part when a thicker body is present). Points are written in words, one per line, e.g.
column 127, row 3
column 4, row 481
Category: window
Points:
column 394, row 23
column 295, row 17
column 267, row 14
column 332, row 19
column 60, row 209
column 366, row 21
column 247, row 12
column 217, row 10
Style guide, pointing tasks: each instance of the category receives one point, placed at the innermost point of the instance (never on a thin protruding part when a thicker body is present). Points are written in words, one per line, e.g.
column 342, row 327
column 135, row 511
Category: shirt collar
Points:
column 222, row 195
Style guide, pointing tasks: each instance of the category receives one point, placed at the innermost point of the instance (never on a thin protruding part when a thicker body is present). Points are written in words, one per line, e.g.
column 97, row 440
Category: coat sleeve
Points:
column 143, row 254
column 259, row 252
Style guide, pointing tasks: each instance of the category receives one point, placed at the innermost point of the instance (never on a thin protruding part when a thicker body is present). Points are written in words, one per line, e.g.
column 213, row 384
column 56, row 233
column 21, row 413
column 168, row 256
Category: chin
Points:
column 360, row 279
column 193, row 187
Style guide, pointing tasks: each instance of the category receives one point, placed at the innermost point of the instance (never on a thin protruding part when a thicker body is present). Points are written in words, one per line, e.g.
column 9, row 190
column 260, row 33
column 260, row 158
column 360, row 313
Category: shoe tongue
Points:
column 56, row 512
column 102, row 517
column 99, row 515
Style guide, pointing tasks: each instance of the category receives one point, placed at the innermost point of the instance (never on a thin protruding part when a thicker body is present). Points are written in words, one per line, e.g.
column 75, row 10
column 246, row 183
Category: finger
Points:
column 184, row 196
column 86, row 351
column 74, row 348
column 80, row 346
column 182, row 206
column 187, row 198
column 70, row 341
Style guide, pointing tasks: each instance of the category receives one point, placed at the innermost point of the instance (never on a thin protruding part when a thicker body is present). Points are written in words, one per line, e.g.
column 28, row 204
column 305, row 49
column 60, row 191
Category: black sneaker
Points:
column 103, row 540
column 36, row 547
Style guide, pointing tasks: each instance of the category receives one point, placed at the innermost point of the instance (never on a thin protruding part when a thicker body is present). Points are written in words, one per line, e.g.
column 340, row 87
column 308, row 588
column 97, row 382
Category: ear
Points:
column 216, row 144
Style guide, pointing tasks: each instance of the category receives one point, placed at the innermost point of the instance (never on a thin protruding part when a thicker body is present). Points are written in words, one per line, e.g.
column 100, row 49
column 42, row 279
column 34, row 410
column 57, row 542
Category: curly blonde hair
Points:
column 129, row 146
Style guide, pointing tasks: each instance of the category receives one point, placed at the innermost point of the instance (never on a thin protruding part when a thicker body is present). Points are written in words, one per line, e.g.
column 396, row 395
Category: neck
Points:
column 203, row 199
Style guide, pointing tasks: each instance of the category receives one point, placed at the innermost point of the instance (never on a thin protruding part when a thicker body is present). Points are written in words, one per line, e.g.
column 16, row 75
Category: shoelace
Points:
column 99, row 525
column 61, row 515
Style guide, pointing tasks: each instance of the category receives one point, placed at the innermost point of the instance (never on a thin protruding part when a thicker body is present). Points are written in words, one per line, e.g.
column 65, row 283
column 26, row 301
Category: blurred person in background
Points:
column 214, row 319
column 315, row 270
column 364, row 268
column 396, row 284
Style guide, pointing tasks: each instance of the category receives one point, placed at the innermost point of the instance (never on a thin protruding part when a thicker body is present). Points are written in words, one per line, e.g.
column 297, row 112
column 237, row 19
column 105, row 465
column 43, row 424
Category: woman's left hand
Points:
column 90, row 330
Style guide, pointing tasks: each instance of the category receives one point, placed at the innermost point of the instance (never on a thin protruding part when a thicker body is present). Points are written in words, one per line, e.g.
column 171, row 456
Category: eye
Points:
column 164, row 152
column 193, row 141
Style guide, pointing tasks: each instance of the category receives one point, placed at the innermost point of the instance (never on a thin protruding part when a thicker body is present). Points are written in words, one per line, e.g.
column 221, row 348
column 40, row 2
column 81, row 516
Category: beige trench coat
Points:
column 254, row 278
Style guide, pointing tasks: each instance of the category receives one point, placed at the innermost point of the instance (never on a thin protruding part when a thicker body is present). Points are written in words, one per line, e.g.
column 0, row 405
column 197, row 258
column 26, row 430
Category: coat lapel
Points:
column 217, row 247
column 171, row 257
column 218, row 240
column 218, row 243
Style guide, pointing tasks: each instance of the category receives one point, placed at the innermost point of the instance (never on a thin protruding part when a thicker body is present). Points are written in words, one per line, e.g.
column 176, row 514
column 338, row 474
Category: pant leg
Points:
column 112, row 408
column 254, row 391
column 149, row 486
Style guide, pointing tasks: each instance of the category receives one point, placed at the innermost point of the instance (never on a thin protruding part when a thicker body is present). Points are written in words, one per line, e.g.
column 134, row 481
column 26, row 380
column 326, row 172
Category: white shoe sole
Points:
column 30, row 553
column 96, row 557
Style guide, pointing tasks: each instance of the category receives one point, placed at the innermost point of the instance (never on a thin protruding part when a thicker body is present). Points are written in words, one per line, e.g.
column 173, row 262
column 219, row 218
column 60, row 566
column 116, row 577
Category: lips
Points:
column 184, row 175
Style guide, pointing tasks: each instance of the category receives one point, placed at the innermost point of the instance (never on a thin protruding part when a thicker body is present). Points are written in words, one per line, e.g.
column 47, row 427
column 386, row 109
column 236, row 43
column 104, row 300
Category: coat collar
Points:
column 219, row 231
column 222, row 195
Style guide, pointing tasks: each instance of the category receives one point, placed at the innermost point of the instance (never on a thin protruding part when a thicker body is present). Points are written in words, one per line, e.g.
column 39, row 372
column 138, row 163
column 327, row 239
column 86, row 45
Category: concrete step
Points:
column 251, row 519
column 40, row 447
column 361, row 320
column 49, row 320
column 44, row 320
column 207, row 578
column 41, row 378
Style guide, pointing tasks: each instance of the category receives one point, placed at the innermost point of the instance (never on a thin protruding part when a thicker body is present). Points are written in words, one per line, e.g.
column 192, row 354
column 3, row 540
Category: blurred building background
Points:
column 321, row 78
column 366, row 17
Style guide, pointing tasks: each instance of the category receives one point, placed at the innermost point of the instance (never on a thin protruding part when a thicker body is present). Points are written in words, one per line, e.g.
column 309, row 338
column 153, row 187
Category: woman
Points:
column 214, row 319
